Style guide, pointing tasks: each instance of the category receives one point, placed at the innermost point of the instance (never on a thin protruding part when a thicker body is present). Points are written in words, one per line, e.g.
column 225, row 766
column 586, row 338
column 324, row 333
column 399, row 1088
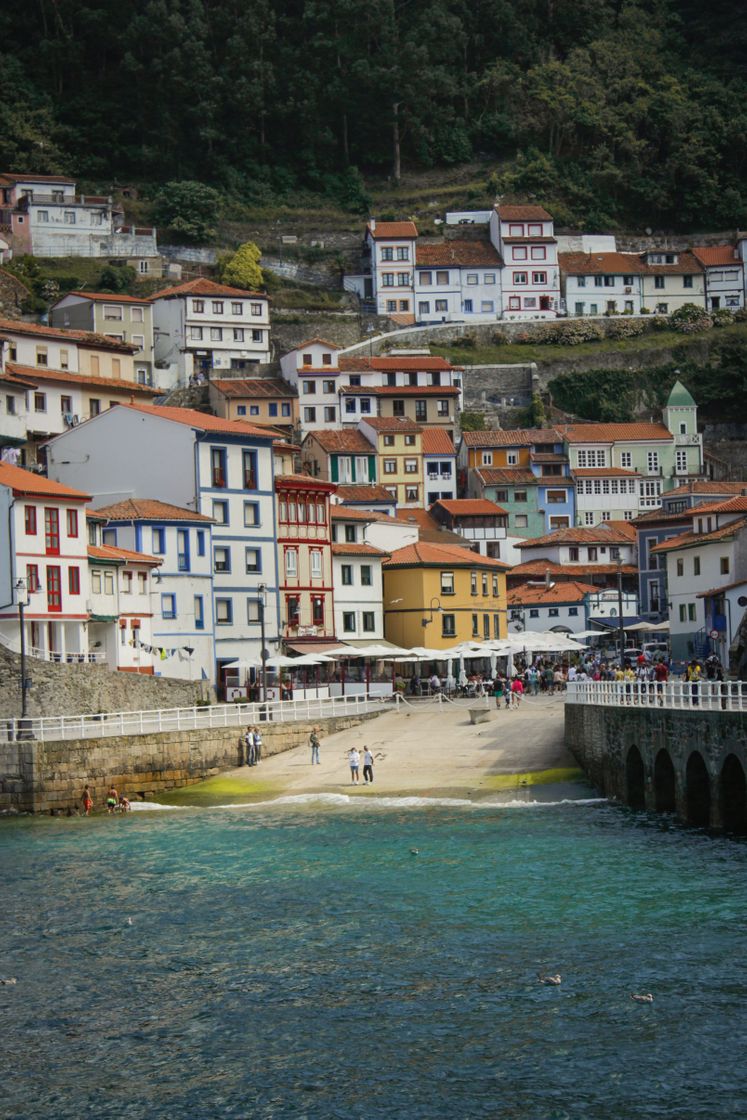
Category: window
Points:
column 539, row 277
column 403, row 253
column 556, row 496
column 195, row 333
column 448, row 625
column 442, row 305
column 652, row 461
column 291, row 562
column 347, row 575
column 592, row 458
column 487, row 306
column 30, row 520
column 293, row 609
column 317, row 610
column 553, row 612
column 251, row 514
column 390, row 466
column 495, row 586
column 73, row 581
column 487, row 459
column 221, row 558
column 220, row 512
column 223, row 612
column 442, row 277
column 486, row 626
column 539, row 253
column 218, row 466
column 475, row 626
column 350, row 534
column 411, row 466
column 387, row 280
column 52, row 531
column 199, row 608
column 520, row 495
column 42, row 215
column 468, row 306
column 520, row 253
column 472, row 278
column 424, row 307
column 253, row 611
column 485, row 584
column 592, row 554
column 168, row 606
column 387, row 253
column 252, row 560
column 403, row 279
column 217, row 305
column 626, row 459
column 659, row 282
column 473, row 583
column 238, row 334
column 249, row 467
column 348, row 622
column 412, row 493
column 691, row 612
column 489, row 278
column 683, row 612
column 573, row 553
column 369, row 624
column 442, row 408
column 54, row 589
column 216, row 334
column 391, row 305
column 521, row 521
column 681, row 462
column 696, row 565
column 316, row 563
column 182, row 550
column 512, row 458
column 687, row 281
column 447, row 583
column 69, row 216
column 40, row 402
column 520, row 278
column 425, row 278
column 398, row 409
column 309, row 415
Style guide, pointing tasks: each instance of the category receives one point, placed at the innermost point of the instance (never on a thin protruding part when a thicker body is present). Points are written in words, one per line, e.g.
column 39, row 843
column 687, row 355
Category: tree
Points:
column 242, row 269
column 472, row 422
column 188, row 208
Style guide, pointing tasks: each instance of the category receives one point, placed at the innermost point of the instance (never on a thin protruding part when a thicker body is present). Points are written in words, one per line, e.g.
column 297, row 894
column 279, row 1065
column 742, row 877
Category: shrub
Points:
column 189, row 209
column 690, row 319
column 242, row 268
column 723, row 317
column 624, row 328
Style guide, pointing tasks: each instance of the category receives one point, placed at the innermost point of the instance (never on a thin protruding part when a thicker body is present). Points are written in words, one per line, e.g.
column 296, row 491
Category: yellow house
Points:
column 399, row 456
column 440, row 595
column 506, row 449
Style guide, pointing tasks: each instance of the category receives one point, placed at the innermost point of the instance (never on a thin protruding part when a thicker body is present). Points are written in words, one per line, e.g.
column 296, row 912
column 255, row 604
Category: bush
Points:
column 690, row 319
column 624, row 328
column 242, row 268
column 116, row 278
column 189, row 209
column 723, row 317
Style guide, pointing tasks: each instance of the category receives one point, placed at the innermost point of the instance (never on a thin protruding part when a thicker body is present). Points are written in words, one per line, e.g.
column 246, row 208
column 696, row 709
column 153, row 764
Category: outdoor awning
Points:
column 629, row 622
column 314, row 647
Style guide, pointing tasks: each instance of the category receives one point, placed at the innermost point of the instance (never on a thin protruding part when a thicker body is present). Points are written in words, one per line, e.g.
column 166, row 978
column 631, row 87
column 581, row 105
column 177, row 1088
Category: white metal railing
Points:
column 87, row 657
column 106, row 724
column 705, row 695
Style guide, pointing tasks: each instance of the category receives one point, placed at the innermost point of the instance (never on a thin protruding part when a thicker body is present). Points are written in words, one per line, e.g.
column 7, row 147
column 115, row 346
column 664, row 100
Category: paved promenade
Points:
column 426, row 749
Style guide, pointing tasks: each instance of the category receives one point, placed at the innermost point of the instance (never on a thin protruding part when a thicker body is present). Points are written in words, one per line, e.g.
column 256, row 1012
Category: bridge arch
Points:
column 635, row 779
column 697, row 792
column 664, row 783
column 732, row 789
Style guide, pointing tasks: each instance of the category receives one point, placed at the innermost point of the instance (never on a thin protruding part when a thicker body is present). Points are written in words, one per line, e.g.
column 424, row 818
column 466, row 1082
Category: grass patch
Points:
column 502, row 782
column 223, row 789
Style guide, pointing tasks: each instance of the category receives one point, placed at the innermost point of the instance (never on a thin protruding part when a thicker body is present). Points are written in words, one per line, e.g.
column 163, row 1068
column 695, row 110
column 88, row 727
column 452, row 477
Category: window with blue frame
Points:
column 241, row 410
column 220, row 512
column 249, row 463
column 109, row 536
column 168, row 606
column 218, row 476
column 182, row 549
column 159, row 540
column 223, row 612
column 200, row 542
column 273, row 408
column 254, row 410
column 199, row 613
column 285, row 409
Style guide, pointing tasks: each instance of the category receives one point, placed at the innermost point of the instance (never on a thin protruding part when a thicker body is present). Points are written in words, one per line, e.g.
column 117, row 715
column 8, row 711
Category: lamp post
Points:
column 21, row 587
column 264, row 653
column 621, row 632
column 435, row 607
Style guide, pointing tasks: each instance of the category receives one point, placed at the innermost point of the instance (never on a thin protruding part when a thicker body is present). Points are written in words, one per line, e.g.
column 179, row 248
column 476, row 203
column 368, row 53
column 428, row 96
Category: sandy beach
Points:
column 426, row 750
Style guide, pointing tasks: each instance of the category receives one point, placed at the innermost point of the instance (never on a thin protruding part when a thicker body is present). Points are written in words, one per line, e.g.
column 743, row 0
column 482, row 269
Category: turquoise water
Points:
column 297, row 960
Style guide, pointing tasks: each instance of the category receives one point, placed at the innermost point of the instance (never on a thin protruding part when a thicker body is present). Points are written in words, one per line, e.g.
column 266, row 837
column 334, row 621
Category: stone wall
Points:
column 69, row 690
column 13, row 294
column 42, row 777
column 497, row 390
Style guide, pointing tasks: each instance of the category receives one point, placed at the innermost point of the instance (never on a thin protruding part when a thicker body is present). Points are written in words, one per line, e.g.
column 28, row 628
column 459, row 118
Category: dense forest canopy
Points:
column 624, row 108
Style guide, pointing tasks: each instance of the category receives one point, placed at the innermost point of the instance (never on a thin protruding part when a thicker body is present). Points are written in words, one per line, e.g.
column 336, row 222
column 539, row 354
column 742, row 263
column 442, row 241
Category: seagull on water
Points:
column 645, row 997
column 554, row 981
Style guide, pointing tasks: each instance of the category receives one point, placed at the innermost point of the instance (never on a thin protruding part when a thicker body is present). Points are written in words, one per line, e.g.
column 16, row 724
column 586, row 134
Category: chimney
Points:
column 372, row 224
column 548, row 584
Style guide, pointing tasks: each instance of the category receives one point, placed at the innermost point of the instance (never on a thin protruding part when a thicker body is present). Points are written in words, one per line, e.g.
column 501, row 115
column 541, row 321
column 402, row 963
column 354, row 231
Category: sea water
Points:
column 326, row 957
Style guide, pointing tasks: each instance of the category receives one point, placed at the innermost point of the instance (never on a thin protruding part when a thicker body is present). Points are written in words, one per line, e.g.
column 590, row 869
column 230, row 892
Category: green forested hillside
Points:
column 619, row 110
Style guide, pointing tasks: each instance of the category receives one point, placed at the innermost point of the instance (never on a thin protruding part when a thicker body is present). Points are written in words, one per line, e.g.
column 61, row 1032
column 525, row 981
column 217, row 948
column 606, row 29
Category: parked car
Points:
column 656, row 651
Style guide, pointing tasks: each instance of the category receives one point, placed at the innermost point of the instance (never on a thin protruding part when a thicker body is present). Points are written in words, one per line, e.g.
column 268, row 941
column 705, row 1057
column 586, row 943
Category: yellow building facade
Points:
column 441, row 595
column 399, row 456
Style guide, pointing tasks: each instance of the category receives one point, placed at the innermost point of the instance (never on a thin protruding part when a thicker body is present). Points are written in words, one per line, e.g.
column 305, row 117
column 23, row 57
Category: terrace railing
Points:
column 704, row 695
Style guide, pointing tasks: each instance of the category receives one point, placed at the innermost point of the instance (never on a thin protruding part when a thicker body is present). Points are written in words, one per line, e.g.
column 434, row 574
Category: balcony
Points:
column 687, row 440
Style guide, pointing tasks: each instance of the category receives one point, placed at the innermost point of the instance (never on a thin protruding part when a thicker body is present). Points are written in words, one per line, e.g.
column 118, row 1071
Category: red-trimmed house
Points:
column 305, row 561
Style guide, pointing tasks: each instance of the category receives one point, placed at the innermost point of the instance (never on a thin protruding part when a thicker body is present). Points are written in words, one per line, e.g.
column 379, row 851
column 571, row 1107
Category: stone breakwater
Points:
column 42, row 777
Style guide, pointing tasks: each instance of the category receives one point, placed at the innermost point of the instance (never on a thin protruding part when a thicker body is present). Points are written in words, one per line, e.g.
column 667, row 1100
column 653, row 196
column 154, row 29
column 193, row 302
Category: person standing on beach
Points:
column 112, row 799
column 87, row 801
column 249, row 747
column 354, row 760
column 257, row 745
column 367, row 766
column 314, row 744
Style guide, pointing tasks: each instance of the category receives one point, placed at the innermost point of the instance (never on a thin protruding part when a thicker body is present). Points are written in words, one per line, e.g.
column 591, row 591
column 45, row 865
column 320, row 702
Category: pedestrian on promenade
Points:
column 314, row 744
column 87, row 801
column 498, row 690
column 112, row 799
column 257, row 745
column 367, row 766
column 517, row 691
column 354, row 760
column 249, row 747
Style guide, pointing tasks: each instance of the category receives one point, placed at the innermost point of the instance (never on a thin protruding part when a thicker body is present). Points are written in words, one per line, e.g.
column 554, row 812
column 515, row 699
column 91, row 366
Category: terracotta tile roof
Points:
column 623, row 527
column 399, row 362
column 458, row 254
column 548, row 457
column 106, row 297
column 710, row 487
column 425, row 554
column 566, row 591
column 27, row 482
column 352, row 513
column 203, row 287
column 148, row 509
column 539, row 567
column 352, row 549
column 471, row 507
column 510, row 212
column 318, row 341
column 687, row 265
column 654, row 516
column 712, row 255
column 200, row 420
column 509, row 476
column 370, row 492
column 720, row 590
column 385, row 230
column 639, row 432
column 392, row 424
column 513, row 437
column 437, row 442
column 91, row 340
column 604, row 472
column 345, row 439
column 399, row 390
column 737, row 504
column 124, row 555
column 693, row 540
column 598, row 264
column 304, row 482
column 16, row 177
column 318, row 371
column 258, row 387
column 605, row 533
column 113, row 384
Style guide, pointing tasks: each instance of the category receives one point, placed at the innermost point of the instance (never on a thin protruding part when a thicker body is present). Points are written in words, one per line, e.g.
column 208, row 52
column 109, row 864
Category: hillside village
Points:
column 178, row 496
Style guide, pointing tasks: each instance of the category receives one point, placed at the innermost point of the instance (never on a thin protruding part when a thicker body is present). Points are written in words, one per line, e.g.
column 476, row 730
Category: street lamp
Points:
column 264, row 652
column 621, row 621
column 22, row 591
column 435, row 608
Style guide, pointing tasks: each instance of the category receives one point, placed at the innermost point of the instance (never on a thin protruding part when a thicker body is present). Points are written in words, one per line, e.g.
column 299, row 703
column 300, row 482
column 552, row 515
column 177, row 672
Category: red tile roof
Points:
column 737, row 504
column 436, row 441
column 693, row 540
column 709, row 487
column 458, row 254
column 386, row 230
column 304, row 482
column 513, row 437
column 540, row 567
column 353, row 549
column 401, row 362
column 510, row 476
column 399, row 390
column 16, row 177
column 200, row 420
column 319, row 342
column 345, row 439
column 90, row 340
column 510, row 212
column 27, row 482
column 239, row 387
column 604, row 472
column 605, row 533
column 352, row 513
column 639, row 432
column 596, row 264
column 712, row 255
column 106, row 297
column 686, row 265
column 565, row 591
column 425, row 554
column 364, row 492
column 720, row 590
column 203, row 287
column 113, row 384
column 109, row 552
column 148, row 509
column 471, row 507
column 429, row 529
column 391, row 424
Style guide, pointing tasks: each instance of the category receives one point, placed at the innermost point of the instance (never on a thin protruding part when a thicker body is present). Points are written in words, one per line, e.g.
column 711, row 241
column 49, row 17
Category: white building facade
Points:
column 525, row 239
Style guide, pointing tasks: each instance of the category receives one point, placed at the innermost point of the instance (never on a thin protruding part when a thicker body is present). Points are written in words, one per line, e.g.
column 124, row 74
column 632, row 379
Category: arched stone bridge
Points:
column 688, row 761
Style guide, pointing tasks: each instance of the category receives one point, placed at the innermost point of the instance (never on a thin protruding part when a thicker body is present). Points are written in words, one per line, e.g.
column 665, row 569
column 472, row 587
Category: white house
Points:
column 358, row 581
column 220, row 468
column 392, row 250
column 312, row 370
column 439, row 466
column 606, row 494
column 43, row 564
column 525, row 239
column 201, row 326
column 724, row 276
column 671, row 279
column 458, row 280
column 568, row 606
column 600, row 283
column 120, row 620
column 181, row 594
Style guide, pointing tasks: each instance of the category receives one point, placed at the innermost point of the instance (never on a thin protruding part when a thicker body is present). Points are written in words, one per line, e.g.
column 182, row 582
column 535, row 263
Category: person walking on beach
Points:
column 314, row 744
column 87, row 801
column 498, row 690
column 517, row 691
column 367, row 766
column 249, row 747
column 354, row 760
